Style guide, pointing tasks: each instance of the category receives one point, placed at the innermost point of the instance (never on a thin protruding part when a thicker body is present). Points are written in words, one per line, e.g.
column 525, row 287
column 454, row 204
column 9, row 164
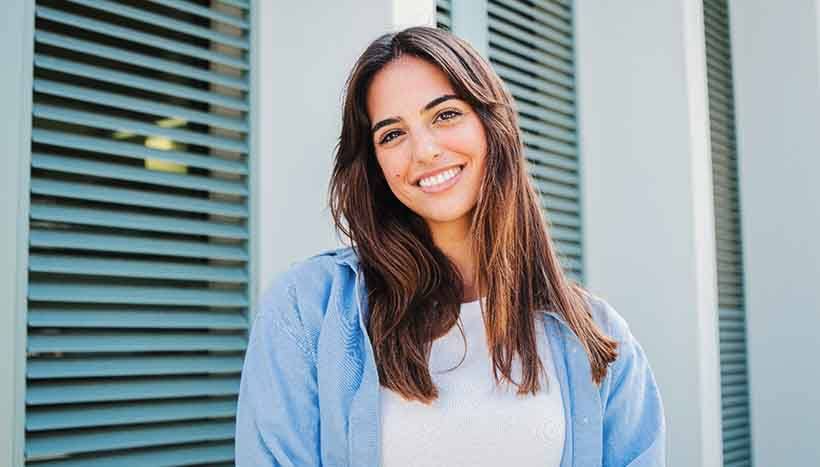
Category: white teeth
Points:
column 440, row 178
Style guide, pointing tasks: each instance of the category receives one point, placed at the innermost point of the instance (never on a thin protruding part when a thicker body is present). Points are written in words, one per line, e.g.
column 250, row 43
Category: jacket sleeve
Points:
column 634, row 428
column 277, row 420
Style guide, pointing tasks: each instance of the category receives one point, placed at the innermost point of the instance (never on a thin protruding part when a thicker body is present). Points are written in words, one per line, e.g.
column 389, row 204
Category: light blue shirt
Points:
column 309, row 394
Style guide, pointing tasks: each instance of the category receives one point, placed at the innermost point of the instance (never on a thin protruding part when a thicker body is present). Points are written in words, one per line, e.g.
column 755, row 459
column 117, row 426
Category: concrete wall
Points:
column 649, row 245
column 305, row 51
column 776, row 59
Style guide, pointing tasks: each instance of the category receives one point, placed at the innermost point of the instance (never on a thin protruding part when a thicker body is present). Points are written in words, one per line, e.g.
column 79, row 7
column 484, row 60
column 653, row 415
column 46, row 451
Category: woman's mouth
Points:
column 441, row 181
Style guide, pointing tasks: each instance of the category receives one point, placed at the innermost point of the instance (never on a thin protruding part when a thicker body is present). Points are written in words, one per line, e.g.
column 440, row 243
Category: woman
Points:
column 448, row 335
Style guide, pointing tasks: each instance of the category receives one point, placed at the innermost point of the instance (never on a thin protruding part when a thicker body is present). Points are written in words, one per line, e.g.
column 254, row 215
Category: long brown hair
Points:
column 414, row 289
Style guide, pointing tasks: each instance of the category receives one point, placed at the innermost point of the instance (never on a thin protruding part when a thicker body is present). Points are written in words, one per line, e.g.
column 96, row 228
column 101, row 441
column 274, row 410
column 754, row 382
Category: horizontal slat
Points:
column 204, row 12
column 237, row 3
column 568, row 249
column 93, row 415
column 557, row 9
column 135, row 295
column 545, row 115
column 562, row 112
column 138, row 82
column 553, row 203
column 40, row 445
column 496, row 27
column 65, row 392
column 564, row 220
column 548, row 173
column 128, row 197
column 541, row 71
column 136, row 221
column 128, row 244
column 134, row 174
column 529, row 53
column 536, row 156
column 555, row 189
column 114, row 365
column 558, row 32
column 729, row 313
column 565, row 234
column 546, row 130
column 145, row 61
column 123, row 341
column 139, row 37
column 550, row 145
column 513, row 77
column 443, row 19
column 140, row 105
column 135, row 318
column 98, row 120
column 67, row 264
column 561, row 22
column 156, row 457
column 165, row 22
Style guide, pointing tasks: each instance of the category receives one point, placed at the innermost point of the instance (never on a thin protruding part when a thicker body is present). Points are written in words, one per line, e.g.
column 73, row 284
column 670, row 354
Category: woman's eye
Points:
column 448, row 115
column 389, row 136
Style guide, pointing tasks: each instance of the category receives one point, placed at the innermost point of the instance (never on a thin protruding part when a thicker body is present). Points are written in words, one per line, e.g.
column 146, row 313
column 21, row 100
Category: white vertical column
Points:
column 16, row 49
column 408, row 13
column 776, row 60
column 304, row 52
column 648, row 216
column 469, row 20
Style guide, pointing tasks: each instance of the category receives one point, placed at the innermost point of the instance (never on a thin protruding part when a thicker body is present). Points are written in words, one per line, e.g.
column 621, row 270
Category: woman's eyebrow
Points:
column 385, row 122
column 438, row 100
column 430, row 105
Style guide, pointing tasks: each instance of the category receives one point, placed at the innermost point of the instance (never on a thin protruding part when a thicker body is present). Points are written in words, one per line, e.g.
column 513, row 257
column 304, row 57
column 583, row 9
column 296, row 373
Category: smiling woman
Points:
column 447, row 334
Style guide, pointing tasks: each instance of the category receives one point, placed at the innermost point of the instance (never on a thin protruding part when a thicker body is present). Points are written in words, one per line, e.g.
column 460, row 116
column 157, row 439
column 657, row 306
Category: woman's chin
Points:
column 441, row 216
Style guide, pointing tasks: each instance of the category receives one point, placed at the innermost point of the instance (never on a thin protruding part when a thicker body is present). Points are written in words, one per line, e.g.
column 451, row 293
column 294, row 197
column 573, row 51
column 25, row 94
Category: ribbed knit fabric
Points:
column 475, row 422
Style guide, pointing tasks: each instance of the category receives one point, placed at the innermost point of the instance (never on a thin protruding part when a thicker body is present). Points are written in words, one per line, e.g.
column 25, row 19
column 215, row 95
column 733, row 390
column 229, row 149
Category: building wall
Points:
column 776, row 58
column 648, row 215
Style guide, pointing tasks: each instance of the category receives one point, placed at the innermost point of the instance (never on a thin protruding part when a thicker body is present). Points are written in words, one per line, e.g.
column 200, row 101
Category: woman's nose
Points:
column 425, row 147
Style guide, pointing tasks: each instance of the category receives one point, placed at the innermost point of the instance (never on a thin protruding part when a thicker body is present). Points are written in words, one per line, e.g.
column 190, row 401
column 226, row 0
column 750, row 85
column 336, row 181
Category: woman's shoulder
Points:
column 299, row 296
column 314, row 272
column 606, row 317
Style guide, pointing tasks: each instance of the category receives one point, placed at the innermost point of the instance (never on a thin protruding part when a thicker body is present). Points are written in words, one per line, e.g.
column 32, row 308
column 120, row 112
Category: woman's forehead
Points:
column 406, row 84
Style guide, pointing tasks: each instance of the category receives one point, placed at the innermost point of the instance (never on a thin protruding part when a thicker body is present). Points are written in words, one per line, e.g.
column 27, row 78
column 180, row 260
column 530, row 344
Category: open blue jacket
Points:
column 309, row 394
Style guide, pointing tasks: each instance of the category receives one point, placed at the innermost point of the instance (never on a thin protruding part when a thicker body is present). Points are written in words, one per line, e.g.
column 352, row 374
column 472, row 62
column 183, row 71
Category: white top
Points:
column 474, row 422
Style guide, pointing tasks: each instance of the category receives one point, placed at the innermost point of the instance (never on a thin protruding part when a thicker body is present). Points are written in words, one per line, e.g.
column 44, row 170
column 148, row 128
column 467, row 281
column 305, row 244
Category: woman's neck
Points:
column 453, row 238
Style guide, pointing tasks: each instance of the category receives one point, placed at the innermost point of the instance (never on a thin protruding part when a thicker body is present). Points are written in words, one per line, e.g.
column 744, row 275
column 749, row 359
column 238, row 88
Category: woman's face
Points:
column 430, row 144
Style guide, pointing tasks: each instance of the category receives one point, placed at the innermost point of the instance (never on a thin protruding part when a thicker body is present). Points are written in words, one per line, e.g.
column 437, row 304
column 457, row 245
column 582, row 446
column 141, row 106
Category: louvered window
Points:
column 731, row 314
column 139, row 274
column 443, row 14
column 531, row 48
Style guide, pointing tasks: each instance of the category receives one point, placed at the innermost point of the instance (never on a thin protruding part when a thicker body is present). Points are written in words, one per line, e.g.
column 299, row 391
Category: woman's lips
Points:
column 444, row 185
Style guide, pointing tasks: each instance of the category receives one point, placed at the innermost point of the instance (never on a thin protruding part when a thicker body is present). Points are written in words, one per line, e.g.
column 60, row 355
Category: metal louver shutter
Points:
column 443, row 14
column 139, row 274
column 731, row 314
column 531, row 48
